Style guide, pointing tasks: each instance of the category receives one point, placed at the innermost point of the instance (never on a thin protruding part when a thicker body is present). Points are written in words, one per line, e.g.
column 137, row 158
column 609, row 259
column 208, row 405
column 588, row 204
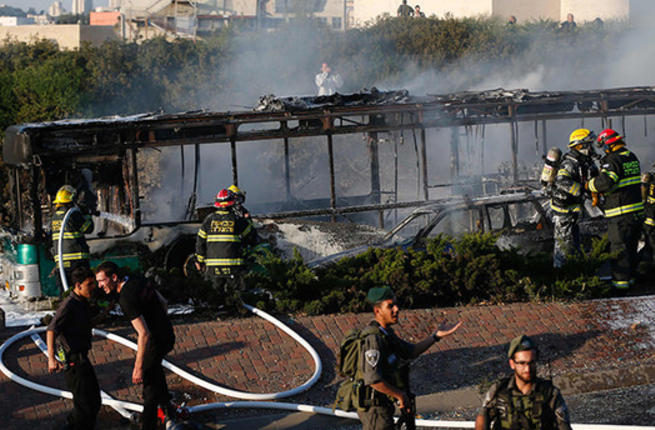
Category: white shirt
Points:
column 328, row 83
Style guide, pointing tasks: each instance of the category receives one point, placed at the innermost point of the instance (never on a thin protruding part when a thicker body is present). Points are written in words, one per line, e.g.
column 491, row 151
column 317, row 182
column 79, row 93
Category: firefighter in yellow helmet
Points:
column 619, row 181
column 575, row 169
column 239, row 200
column 75, row 251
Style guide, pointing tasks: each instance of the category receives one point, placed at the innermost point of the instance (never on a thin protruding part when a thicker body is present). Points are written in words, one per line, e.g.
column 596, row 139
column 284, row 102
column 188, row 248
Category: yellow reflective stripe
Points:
column 575, row 189
column 621, row 284
column 247, row 230
column 568, row 209
column 649, row 221
column 73, row 256
column 650, row 199
column 223, row 238
column 632, row 180
column 200, row 258
column 224, row 261
column 592, row 185
column 86, row 225
column 635, row 207
column 202, row 234
column 563, row 172
column 68, row 235
column 613, row 176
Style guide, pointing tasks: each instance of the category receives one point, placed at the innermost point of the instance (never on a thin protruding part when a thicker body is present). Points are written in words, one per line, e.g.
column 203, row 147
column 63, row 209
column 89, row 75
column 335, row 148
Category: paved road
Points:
column 586, row 347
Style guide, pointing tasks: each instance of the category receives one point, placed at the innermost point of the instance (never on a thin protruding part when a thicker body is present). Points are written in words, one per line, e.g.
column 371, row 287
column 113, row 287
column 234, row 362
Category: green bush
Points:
column 447, row 272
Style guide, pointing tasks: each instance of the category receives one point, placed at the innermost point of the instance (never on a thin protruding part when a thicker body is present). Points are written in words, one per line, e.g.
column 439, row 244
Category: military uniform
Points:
column 220, row 246
column 384, row 358
column 506, row 407
column 72, row 329
column 566, row 203
column 619, row 181
column 648, row 183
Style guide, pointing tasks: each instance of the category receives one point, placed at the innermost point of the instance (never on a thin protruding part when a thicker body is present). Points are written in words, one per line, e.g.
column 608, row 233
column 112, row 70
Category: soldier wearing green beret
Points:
column 385, row 359
column 523, row 401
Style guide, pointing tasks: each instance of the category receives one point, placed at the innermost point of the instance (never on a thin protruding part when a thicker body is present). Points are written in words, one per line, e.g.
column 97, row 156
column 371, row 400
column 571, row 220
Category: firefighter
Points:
column 620, row 182
column 240, row 199
column 75, row 251
column 576, row 168
column 221, row 243
column 648, row 197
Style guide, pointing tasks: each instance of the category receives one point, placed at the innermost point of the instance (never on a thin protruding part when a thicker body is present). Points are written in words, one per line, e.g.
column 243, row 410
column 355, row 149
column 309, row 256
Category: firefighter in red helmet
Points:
column 620, row 183
column 220, row 244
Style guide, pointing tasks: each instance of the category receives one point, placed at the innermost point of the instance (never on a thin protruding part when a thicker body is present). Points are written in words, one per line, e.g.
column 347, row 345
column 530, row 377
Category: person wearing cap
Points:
column 385, row 358
column 523, row 401
column 74, row 249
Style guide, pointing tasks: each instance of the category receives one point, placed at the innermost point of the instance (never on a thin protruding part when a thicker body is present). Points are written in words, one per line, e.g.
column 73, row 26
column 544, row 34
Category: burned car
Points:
column 522, row 219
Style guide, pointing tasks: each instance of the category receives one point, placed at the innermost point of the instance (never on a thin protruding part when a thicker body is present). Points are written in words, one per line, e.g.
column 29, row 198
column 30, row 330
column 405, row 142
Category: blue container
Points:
column 27, row 254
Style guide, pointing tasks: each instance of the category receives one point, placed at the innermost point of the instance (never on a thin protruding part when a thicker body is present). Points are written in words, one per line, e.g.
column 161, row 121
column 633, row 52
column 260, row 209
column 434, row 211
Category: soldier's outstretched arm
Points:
column 445, row 329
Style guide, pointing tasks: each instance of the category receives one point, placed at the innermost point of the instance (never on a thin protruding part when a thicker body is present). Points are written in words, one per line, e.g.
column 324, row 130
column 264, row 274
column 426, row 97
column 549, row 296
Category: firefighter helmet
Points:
column 240, row 195
column 609, row 138
column 581, row 136
column 65, row 194
column 224, row 198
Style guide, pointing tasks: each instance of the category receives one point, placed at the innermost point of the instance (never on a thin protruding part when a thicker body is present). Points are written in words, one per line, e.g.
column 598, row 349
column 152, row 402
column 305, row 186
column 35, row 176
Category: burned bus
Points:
column 144, row 173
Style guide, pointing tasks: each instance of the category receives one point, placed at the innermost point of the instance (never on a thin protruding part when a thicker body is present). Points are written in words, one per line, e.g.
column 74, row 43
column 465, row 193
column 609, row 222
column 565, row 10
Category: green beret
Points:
column 520, row 343
column 378, row 294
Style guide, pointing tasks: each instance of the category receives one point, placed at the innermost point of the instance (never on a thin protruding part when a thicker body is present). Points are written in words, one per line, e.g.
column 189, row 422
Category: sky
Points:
column 39, row 5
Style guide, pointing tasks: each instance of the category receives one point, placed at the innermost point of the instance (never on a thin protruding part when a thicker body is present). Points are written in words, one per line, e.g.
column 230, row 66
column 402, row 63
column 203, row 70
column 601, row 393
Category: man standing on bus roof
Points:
column 75, row 251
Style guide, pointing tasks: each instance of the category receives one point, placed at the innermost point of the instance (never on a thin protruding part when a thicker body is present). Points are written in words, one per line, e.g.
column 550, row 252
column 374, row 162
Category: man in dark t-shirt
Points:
column 69, row 341
column 145, row 308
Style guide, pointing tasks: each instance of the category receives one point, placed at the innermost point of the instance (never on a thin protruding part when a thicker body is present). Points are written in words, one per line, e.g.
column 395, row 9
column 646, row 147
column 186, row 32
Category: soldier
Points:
column 575, row 169
column 620, row 182
column 384, row 358
column 75, row 251
column 145, row 308
column 405, row 10
column 648, row 197
column 71, row 330
column 220, row 244
column 523, row 401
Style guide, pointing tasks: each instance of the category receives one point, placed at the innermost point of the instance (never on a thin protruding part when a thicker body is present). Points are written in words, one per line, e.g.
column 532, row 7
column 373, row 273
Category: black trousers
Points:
column 82, row 382
column 623, row 233
column 155, row 390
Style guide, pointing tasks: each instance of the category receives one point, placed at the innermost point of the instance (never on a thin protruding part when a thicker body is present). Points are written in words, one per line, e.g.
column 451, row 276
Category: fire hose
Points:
column 256, row 399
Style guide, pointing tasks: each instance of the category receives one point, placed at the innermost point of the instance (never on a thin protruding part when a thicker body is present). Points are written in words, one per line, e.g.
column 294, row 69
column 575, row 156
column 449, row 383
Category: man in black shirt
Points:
column 145, row 308
column 71, row 328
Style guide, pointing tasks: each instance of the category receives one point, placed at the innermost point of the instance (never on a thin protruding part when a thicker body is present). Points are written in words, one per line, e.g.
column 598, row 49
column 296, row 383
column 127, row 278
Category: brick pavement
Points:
column 252, row 355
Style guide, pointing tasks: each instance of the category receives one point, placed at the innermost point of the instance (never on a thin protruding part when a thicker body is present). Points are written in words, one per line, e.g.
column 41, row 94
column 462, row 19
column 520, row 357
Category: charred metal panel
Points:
column 17, row 148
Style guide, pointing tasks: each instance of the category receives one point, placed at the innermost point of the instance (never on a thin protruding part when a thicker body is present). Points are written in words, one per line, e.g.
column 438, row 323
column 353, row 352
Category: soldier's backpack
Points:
column 352, row 392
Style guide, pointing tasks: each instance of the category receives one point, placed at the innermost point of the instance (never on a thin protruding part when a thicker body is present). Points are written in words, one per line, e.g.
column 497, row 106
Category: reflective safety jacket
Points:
column 221, row 240
column 620, row 182
column 648, row 182
column 568, row 188
column 74, row 247
column 507, row 408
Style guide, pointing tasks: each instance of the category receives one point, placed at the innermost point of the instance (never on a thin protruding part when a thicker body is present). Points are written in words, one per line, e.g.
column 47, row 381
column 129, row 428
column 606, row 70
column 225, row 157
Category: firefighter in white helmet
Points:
column 576, row 167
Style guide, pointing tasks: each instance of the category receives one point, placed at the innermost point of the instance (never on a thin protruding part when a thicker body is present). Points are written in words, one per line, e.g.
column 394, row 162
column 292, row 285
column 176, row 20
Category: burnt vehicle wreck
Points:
column 115, row 160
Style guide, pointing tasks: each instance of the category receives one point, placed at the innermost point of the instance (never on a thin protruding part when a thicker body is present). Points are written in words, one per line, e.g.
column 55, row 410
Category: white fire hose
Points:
column 128, row 406
column 256, row 402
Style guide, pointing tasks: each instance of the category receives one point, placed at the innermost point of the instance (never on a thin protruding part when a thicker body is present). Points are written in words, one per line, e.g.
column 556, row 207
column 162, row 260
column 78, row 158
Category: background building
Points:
column 80, row 7
column 56, row 9
column 67, row 36
column 557, row 10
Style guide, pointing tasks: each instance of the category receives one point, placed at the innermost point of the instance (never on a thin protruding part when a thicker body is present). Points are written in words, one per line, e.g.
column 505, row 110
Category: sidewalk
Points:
column 585, row 346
